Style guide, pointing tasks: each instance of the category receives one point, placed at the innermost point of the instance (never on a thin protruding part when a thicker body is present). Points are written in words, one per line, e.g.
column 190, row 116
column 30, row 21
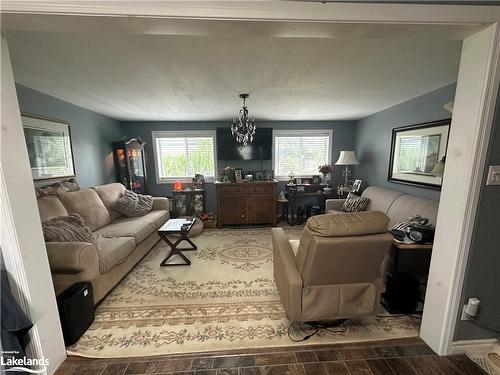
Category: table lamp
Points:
column 177, row 185
column 347, row 158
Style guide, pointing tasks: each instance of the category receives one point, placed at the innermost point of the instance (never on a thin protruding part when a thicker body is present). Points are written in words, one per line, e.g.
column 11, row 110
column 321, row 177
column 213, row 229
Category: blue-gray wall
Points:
column 344, row 136
column 374, row 134
column 483, row 269
column 91, row 134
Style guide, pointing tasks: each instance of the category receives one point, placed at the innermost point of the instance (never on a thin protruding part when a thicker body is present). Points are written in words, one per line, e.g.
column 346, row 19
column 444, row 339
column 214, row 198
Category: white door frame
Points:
column 23, row 246
column 471, row 125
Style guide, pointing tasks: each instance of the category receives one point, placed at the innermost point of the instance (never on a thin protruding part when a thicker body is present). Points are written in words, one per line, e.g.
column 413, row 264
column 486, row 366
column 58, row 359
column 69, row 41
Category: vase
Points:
column 325, row 179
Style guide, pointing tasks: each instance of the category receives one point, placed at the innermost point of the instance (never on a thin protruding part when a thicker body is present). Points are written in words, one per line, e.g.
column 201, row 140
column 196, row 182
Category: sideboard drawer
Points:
column 260, row 190
column 231, row 190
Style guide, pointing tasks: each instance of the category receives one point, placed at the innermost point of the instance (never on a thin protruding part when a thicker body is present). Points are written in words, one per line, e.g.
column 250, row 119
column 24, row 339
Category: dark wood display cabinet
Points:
column 130, row 164
column 246, row 202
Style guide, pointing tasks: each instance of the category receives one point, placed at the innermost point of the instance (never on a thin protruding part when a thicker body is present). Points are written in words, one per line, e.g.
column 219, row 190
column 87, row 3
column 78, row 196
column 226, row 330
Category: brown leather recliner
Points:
column 334, row 270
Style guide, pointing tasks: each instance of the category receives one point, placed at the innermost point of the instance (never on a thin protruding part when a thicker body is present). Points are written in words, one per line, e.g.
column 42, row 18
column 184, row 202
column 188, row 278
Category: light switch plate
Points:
column 493, row 175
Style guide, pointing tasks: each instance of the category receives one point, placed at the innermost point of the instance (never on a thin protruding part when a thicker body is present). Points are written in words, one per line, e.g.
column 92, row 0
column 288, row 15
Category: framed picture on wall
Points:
column 418, row 154
column 49, row 147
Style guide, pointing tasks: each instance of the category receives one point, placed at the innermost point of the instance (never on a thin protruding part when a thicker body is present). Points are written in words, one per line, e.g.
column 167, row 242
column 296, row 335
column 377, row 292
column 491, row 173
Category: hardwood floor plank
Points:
column 358, row 368
column 400, row 366
column 362, row 353
column 336, row 368
column 327, row 355
column 202, row 363
column 379, row 367
column 432, row 365
column 234, row 361
column 465, row 365
column 114, row 369
column 275, row 358
column 314, row 368
column 306, row 356
column 136, row 368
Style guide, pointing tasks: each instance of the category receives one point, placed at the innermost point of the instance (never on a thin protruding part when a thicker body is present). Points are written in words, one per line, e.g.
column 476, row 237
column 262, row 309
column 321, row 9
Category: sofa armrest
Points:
column 161, row 203
column 334, row 204
column 73, row 258
column 287, row 275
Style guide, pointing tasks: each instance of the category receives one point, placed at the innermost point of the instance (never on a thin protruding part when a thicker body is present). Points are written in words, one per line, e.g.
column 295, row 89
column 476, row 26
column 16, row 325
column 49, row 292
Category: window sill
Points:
column 181, row 180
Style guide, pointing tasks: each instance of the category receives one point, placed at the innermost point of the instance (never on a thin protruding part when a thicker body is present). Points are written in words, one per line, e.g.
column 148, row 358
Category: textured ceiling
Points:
column 159, row 76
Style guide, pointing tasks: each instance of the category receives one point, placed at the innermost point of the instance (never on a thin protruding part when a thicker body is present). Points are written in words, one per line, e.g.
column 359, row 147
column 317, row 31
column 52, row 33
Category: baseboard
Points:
column 460, row 347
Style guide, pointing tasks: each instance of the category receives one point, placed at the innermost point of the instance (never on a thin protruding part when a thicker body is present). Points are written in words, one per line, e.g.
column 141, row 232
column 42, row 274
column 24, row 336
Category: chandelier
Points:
column 243, row 127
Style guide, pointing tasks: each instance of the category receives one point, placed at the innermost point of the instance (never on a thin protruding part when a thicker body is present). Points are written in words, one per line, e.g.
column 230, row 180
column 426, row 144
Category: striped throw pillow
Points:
column 353, row 203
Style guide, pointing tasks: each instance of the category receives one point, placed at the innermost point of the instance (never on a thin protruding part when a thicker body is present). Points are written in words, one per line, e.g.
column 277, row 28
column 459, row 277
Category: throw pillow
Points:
column 69, row 228
column 353, row 203
column 132, row 204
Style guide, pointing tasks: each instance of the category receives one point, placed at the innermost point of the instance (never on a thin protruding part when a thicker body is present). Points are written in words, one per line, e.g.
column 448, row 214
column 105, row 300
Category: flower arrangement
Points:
column 325, row 169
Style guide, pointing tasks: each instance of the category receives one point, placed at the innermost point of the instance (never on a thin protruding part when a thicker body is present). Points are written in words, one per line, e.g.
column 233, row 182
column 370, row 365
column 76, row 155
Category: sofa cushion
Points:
column 132, row 204
column 409, row 205
column 136, row 227
column 68, row 228
column 379, row 199
column 335, row 212
column 89, row 206
column 109, row 194
column 50, row 207
column 348, row 224
column 158, row 217
column 113, row 250
column 353, row 203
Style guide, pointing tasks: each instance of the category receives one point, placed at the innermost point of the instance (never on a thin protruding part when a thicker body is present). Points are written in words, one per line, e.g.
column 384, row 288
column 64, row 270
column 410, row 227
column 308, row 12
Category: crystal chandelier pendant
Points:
column 243, row 127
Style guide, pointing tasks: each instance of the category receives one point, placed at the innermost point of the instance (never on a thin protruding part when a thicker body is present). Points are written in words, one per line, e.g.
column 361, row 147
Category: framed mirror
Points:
column 418, row 154
column 49, row 147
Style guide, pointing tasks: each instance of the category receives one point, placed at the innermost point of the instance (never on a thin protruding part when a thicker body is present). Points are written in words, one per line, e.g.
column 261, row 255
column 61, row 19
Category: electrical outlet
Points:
column 464, row 315
column 493, row 175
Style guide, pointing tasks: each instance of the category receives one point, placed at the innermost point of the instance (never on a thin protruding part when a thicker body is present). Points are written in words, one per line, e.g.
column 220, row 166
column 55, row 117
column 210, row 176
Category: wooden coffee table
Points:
column 173, row 227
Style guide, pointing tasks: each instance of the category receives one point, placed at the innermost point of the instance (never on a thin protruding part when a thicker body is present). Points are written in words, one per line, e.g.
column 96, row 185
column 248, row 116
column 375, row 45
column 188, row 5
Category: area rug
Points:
column 226, row 299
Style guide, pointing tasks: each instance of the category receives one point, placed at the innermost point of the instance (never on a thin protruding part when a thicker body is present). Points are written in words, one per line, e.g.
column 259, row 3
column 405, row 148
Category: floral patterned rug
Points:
column 226, row 299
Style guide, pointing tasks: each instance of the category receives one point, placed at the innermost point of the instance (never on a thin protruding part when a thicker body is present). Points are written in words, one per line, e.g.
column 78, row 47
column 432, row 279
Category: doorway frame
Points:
column 439, row 318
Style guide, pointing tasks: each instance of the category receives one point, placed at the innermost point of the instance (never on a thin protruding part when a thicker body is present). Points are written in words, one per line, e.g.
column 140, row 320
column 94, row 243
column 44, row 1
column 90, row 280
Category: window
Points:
column 301, row 151
column 179, row 155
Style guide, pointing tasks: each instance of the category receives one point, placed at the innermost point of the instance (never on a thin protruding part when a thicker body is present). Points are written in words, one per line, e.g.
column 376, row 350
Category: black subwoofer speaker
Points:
column 76, row 311
column 401, row 293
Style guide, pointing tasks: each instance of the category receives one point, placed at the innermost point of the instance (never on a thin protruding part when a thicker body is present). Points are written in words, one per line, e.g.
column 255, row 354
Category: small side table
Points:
column 393, row 298
column 284, row 209
column 169, row 229
column 188, row 202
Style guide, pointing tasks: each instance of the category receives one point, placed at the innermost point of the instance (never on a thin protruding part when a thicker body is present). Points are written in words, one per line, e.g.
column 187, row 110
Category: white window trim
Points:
column 176, row 134
column 294, row 132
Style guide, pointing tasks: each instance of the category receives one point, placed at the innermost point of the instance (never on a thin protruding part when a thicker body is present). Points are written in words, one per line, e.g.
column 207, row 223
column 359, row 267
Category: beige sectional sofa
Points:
column 121, row 242
column 336, row 269
column 396, row 205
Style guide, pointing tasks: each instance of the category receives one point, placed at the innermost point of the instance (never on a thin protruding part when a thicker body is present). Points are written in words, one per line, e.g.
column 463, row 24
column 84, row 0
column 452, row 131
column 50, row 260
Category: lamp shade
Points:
column 347, row 158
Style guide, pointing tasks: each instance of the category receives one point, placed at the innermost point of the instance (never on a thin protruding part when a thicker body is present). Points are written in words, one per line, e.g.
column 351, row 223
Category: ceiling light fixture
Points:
column 243, row 127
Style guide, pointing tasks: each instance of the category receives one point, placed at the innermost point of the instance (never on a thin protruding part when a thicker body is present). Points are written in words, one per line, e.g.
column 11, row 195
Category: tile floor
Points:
column 391, row 357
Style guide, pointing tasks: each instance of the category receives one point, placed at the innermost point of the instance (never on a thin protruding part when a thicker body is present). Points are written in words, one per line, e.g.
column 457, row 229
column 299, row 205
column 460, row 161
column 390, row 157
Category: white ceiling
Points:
column 194, row 70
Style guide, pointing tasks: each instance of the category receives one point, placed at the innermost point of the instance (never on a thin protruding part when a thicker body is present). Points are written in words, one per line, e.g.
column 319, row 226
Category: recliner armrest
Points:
column 161, row 203
column 287, row 275
column 73, row 258
column 334, row 204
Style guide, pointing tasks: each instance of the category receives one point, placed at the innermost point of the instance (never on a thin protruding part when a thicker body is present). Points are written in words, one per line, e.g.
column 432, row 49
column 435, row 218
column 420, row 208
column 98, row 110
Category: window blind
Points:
column 300, row 153
column 182, row 157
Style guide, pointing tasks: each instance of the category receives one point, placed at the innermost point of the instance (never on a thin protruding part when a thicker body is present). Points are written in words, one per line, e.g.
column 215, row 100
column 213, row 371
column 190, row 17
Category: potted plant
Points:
column 325, row 170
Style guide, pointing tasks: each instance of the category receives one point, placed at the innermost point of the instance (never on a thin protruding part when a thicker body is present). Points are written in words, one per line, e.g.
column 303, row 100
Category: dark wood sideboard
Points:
column 246, row 202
